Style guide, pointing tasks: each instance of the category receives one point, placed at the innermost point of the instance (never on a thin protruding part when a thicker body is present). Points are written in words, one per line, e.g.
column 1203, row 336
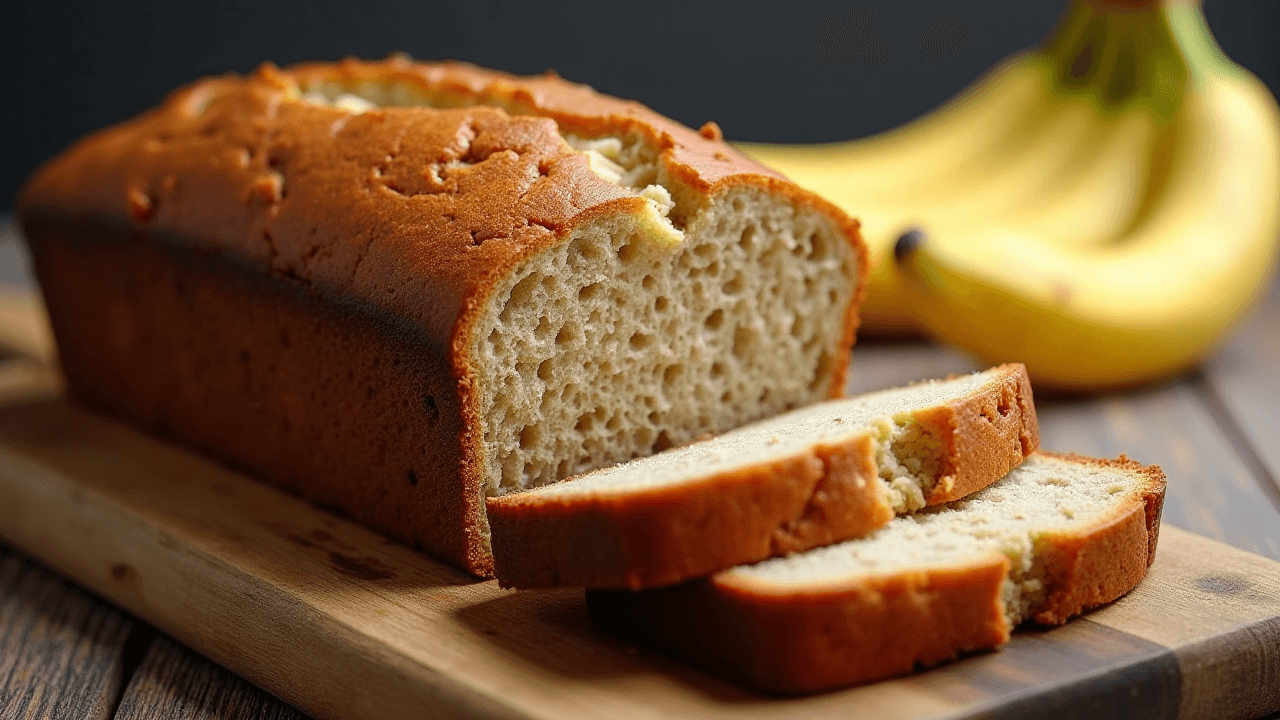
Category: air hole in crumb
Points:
column 433, row 410
column 706, row 250
column 412, row 477
column 661, row 303
column 640, row 341
column 546, row 369
column 585, row 423
column 583, row 249
column 530, row 436
column 672, row 374
column 1005, row 406
column 589, row 291
column 565, row 336
column 662, row 442
column 627, row 252
column 733, row 286
column 748, row 240
column 817, row 247
column 717, row 370
column 715, row 320
column 649, row 282
column 543, row 329
column 743, row 341
column 524, row 291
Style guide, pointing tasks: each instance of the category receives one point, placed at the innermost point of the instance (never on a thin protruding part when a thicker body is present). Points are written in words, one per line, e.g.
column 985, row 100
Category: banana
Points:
column 1158, row 294
column 978, row 156
column 978, row 177
column 1103, row 208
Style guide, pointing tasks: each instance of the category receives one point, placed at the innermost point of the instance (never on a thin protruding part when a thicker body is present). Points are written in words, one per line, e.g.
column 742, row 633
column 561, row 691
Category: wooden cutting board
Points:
column 344, row 623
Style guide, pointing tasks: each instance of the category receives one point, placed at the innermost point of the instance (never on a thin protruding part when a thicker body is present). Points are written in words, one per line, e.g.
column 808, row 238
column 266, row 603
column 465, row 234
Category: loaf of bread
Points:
column 397, row 288
column 1058, row 535
column 810, row 477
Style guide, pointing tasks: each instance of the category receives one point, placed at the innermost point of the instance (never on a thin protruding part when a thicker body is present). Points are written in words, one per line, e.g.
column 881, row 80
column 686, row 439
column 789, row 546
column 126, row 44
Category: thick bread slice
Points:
column 800, row 480
column 1058, row 535
column 397, row 287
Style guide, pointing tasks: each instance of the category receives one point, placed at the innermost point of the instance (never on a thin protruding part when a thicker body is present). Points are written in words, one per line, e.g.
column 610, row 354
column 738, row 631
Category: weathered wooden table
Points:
column 1216, row 431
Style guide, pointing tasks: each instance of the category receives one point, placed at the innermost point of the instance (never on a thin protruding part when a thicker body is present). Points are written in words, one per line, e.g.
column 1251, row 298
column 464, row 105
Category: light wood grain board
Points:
column 342, row 623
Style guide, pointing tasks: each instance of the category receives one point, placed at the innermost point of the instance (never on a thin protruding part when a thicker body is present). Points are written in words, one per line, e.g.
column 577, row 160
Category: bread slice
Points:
column 803, row 479
column 1058, row 535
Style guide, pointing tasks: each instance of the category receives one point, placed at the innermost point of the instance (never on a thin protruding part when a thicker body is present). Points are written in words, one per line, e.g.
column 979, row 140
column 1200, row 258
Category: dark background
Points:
column 80, row 65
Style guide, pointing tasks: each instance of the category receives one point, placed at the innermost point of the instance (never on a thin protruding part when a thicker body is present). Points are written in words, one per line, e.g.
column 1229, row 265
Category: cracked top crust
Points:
column 415, row 210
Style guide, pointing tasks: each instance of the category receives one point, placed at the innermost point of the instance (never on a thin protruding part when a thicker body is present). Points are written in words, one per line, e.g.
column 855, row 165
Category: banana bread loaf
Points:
column 398, row 288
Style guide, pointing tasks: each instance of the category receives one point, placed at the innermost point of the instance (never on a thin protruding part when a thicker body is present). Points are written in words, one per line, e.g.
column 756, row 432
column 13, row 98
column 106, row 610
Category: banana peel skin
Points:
column 1122, row 229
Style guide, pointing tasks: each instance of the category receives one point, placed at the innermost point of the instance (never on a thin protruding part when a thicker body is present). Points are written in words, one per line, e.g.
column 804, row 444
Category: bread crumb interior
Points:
column 1042, row 496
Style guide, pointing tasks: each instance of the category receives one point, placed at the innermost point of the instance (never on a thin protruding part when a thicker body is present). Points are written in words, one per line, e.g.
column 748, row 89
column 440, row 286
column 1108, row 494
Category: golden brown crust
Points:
column 988, row 433
column 654, row 537
column 337, row 207
column 662, row 536
column 801, row 643
column 1085, row 570
column 782, row 639
column 266, row 375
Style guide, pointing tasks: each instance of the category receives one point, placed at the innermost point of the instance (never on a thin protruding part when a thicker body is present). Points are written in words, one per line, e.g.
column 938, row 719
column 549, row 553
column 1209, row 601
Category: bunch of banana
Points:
column 1103, row 208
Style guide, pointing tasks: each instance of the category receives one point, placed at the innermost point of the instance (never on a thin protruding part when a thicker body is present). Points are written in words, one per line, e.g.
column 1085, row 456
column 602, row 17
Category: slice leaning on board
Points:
column 810, row 477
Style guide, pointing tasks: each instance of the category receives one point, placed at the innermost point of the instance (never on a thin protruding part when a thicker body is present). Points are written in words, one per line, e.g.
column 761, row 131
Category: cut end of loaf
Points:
column 614, row 345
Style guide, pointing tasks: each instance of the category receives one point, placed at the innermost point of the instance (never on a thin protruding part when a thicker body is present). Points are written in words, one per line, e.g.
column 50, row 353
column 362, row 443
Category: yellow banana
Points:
column 946, row 179
column 1103, row 208
column 979, row 156
column 1156, row 296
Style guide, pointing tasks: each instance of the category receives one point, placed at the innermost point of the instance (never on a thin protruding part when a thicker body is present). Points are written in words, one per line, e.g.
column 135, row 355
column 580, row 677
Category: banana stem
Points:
column 1127, row 52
